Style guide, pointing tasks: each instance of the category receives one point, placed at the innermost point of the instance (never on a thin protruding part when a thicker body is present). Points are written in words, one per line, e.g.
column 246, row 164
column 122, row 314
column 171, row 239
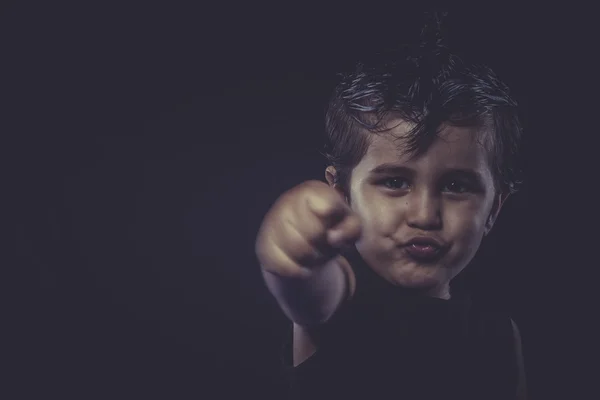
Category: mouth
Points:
column 425, row 249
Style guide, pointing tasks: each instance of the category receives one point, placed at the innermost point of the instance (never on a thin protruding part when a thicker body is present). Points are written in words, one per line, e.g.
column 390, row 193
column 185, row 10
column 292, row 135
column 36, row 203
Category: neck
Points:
column 440, row 292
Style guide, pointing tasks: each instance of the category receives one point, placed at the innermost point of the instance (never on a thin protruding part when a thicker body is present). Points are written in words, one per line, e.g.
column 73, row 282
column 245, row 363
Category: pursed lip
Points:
column 426, row 241
column 425, row 248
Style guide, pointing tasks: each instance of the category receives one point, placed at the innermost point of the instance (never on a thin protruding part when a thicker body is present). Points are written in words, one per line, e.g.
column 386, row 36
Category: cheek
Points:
column 466, row 223
column 380, row 218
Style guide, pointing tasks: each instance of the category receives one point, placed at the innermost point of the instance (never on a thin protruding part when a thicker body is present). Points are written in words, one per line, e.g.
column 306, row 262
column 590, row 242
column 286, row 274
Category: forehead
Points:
column 454, row 147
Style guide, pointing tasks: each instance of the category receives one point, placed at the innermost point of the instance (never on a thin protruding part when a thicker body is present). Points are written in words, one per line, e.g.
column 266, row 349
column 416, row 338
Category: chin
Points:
column 416, row 283
column 417, row 277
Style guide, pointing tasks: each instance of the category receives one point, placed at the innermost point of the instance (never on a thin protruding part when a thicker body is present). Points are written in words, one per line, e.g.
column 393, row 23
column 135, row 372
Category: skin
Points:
column 424, row 196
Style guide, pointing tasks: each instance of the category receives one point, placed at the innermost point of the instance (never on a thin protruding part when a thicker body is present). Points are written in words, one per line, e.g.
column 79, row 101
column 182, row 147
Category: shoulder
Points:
column 496, row 341
column 492, row 333
column 516, row 332
column 487, row 319
column 520, row 364
column 517, row 343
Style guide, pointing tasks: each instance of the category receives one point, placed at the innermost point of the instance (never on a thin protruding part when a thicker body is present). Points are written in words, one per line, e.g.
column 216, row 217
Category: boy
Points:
column 421, row 161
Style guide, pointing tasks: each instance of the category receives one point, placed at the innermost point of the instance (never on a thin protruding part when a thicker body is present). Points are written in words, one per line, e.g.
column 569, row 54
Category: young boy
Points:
column 421, row 159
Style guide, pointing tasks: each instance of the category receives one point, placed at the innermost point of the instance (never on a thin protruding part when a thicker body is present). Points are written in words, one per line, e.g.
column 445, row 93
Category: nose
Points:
column 423, row 210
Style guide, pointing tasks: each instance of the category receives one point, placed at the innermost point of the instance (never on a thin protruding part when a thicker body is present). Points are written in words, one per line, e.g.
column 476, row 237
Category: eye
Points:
column 458, row 187
column 395, row 183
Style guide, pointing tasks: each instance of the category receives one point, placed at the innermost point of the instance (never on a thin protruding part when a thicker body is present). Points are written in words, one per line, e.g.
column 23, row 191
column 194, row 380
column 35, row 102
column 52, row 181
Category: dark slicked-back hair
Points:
column 426, row 85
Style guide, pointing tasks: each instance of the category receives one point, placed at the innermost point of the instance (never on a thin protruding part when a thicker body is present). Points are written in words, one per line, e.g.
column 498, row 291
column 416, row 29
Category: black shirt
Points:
column 387, row 343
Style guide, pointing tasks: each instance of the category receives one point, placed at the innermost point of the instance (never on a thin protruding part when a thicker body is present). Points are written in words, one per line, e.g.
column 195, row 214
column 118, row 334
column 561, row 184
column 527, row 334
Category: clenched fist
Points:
column 306, row 227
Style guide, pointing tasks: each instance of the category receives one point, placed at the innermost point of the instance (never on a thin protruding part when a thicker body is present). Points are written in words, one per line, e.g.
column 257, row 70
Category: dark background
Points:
column 144, row 142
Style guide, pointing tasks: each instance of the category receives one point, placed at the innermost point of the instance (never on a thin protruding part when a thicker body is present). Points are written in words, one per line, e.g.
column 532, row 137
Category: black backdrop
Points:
column 145, row 143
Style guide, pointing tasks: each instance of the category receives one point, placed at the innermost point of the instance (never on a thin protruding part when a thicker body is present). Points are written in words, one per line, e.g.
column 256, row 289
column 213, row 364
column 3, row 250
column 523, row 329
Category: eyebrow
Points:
column 387, row 168
column 391, row 168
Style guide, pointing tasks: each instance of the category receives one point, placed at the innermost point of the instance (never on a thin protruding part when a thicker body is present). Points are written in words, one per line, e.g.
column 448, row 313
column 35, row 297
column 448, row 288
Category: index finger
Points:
column 329, row 207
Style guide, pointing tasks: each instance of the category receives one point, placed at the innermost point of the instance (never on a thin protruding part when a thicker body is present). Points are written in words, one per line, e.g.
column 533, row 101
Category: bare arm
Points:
column 299, row 247
column 303, row 344
column 314, row 299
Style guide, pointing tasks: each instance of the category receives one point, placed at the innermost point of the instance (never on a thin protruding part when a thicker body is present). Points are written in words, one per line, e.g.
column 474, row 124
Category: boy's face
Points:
column 446, row 194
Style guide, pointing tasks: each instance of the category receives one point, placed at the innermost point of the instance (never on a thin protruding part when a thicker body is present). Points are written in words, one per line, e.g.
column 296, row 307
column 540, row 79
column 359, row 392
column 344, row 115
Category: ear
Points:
column 332, row 178
column 499, row 200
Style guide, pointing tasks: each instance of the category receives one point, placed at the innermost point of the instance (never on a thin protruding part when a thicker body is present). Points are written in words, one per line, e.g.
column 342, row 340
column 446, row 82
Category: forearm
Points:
column 312, row 300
